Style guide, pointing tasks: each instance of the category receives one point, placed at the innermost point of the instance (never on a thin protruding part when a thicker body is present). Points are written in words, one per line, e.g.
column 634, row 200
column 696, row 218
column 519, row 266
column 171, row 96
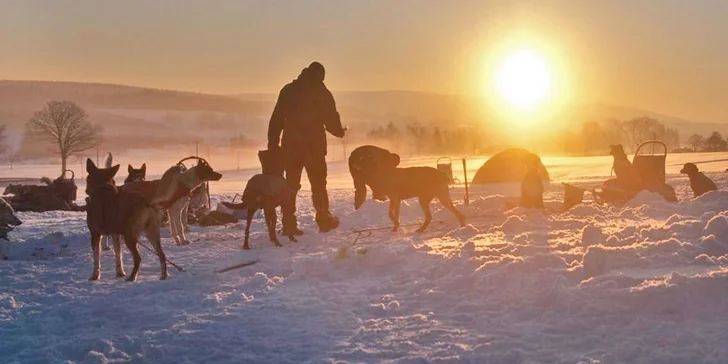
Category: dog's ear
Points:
column 114, row 169
column 144, row 168
column 90, row 166
column 130, row 169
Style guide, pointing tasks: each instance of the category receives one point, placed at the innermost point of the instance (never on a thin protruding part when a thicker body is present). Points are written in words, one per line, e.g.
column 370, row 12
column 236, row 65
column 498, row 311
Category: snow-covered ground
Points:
column 643, row 283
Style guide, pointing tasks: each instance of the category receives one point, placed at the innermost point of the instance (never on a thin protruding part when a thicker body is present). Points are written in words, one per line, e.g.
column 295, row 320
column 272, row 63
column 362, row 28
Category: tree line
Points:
column 713, row 143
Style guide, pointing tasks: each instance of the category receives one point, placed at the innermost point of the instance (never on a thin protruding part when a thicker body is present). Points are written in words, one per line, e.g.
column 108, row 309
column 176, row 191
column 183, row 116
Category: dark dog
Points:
column 425, row 183
column 136, row 175
column 265, row 192
column 532, row 186
column 628, row 178
column 365, row 163
column 699, row 182
column 115, row 212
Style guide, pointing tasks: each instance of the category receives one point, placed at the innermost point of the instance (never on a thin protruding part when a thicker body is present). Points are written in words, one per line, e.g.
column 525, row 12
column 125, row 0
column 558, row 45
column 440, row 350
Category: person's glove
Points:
column 340, row 133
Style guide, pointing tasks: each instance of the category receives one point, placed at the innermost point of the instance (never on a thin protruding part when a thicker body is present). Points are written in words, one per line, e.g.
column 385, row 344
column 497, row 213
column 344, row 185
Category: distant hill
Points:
column 136, row 117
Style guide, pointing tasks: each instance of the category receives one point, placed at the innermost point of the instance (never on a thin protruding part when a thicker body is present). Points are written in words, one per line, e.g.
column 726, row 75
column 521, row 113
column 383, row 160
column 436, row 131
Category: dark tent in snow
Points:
column 507, row 166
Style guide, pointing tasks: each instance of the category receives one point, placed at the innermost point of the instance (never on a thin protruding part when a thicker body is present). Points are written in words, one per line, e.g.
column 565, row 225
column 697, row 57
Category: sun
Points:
column 523, row 79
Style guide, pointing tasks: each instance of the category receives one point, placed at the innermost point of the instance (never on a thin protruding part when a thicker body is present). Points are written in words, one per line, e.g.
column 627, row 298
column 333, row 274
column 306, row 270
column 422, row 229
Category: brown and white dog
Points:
column 173, row 194
column 119, row 212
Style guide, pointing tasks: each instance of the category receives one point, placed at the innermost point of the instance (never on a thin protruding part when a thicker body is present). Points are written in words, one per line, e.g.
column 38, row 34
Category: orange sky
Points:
column 667, row 56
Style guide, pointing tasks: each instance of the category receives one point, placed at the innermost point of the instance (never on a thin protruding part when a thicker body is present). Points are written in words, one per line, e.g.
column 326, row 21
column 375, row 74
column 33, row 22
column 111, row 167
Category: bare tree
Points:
column 65, row 124
column 715, row 143
column 696, row 141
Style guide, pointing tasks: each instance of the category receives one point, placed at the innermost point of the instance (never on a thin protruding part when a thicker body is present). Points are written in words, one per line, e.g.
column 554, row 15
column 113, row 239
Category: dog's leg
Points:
column 96, row 253
column 131, row 243
column 118, row 254
column 394, row 212
column 425, row 204
column 270, row 222
column 248, row 220
column 447, row 202
column 105, row 240
column 173, row 222
column 151, row 231
column 180, row 207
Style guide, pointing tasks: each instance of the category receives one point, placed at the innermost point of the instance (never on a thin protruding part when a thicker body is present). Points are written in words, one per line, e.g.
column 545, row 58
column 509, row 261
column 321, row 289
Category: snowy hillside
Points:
column 642, row 283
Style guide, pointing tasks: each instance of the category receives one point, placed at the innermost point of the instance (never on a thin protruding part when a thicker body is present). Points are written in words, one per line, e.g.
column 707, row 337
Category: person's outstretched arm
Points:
column 275, row 126
column 331, row 118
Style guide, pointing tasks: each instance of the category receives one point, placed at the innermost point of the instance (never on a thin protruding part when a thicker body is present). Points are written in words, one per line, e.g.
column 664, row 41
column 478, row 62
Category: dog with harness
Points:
column 117, row 212
column 172, row 193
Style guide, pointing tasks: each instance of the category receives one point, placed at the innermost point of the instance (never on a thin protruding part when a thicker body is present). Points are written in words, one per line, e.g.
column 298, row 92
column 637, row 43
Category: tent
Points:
column 507, row 166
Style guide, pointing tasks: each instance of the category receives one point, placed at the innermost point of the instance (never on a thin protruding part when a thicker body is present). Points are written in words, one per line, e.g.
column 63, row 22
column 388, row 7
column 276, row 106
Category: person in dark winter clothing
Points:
column 699, row 182
column 305, row 111
column 365, row 163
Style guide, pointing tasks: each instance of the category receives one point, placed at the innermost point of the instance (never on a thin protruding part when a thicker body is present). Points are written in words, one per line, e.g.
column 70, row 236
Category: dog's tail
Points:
column 235, row 206
column 109, row 160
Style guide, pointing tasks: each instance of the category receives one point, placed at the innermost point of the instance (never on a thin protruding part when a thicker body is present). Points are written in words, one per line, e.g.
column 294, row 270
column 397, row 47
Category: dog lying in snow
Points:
column 119, row 212
column 699, row 182
column 425, row 183
column 265, row 192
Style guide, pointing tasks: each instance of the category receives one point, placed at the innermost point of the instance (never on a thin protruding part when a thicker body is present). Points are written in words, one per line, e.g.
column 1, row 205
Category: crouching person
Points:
column 365, row 163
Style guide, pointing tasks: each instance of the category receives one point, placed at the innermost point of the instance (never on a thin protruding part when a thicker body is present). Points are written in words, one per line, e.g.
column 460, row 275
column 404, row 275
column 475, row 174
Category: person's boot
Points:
column 290, row 226
column 326, row 222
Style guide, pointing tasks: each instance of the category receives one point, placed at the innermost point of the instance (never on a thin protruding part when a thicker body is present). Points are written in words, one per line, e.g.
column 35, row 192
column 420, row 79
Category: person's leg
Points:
column 317, row 173
column 293, row 167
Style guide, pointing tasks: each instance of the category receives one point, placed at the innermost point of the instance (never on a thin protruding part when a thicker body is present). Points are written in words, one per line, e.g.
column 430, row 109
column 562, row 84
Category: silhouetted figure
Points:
column 365, row 163
column 699, row 182
column 305, row 111
column 532, row 186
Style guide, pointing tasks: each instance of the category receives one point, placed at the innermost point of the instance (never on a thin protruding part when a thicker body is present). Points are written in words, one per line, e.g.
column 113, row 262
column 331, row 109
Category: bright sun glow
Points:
column 523, row 79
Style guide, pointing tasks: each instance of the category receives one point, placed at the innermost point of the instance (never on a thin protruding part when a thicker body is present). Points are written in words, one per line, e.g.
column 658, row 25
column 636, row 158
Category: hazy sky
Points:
column 668, row 56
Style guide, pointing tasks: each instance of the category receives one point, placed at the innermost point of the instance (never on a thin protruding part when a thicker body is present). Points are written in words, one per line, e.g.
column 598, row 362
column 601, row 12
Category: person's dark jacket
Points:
column 305, row 111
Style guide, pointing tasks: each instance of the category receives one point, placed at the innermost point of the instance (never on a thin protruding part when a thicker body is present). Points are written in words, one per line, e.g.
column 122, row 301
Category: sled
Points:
column 444, row 165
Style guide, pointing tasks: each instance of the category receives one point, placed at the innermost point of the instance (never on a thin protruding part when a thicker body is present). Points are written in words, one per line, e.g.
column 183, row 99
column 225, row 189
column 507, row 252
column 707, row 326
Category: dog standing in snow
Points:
column 699, row 182
column 135, row 175
column 173, row 194
column 532, row 186
column 265, row 192
column 425, row 183
column 118, row 212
